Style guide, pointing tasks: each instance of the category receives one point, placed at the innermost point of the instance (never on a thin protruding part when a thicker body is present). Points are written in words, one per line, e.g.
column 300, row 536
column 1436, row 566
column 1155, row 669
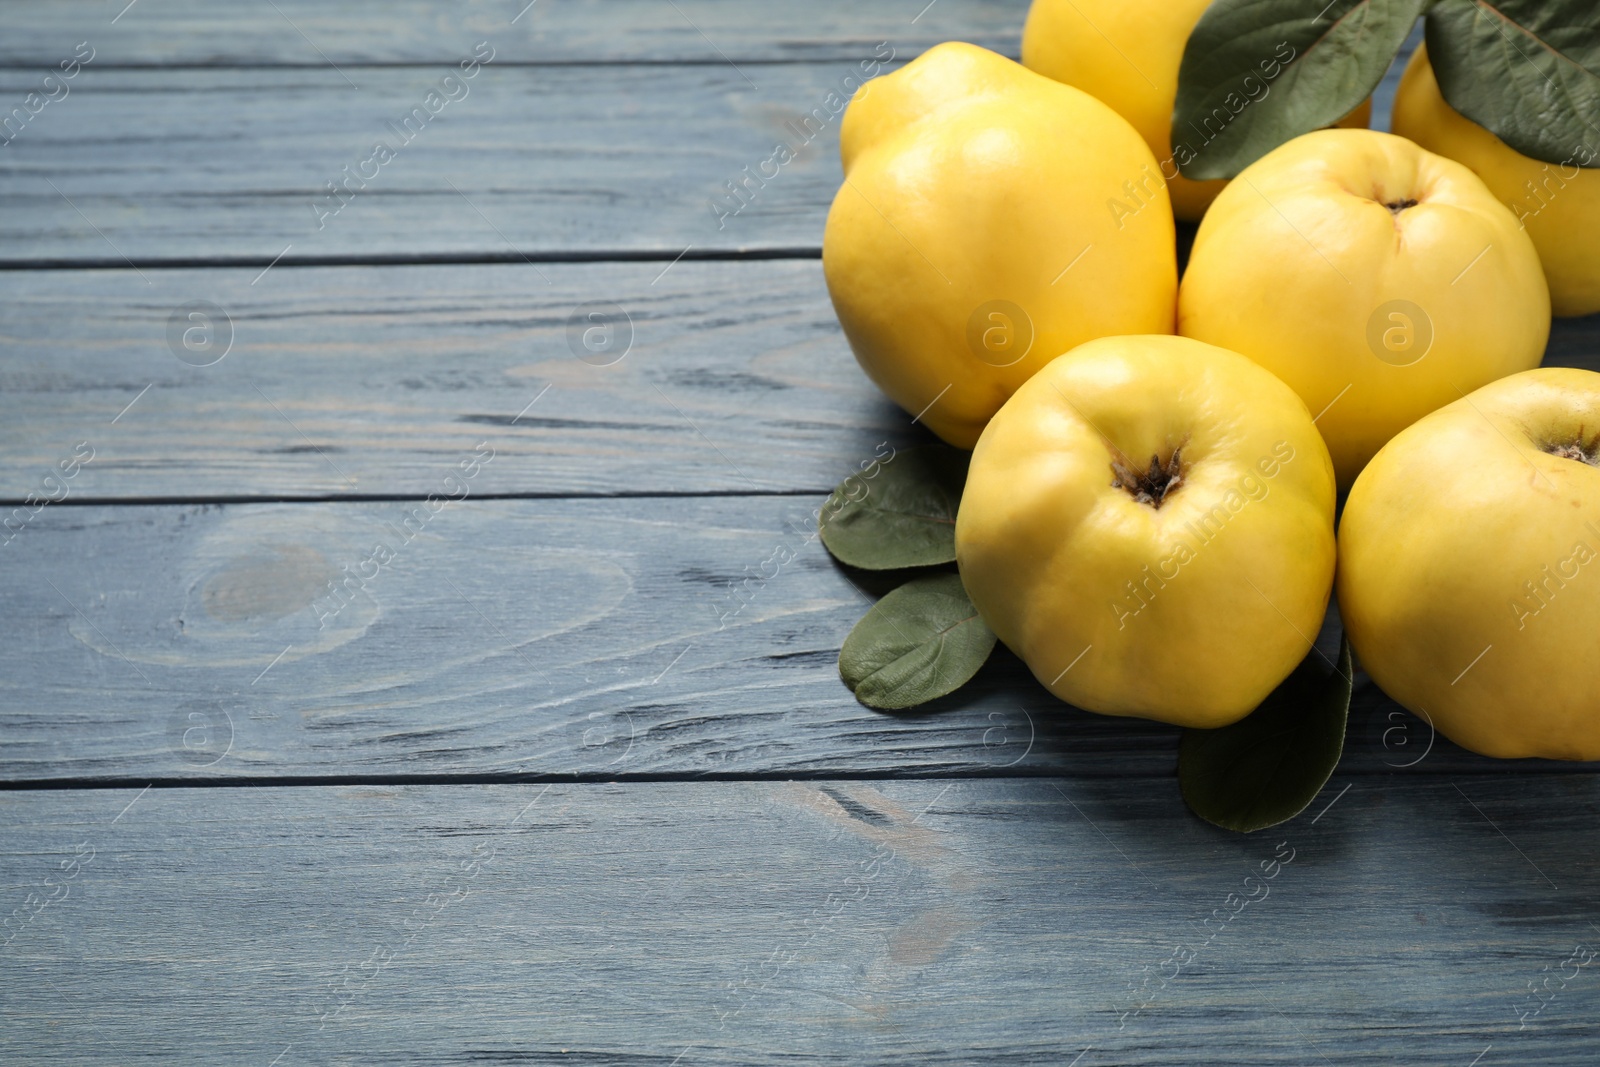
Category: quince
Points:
column 1127, row 54
column 1148, row 523
column 1378, row 280
column 1469, row 559
column 1558, row 203
column 973, row 239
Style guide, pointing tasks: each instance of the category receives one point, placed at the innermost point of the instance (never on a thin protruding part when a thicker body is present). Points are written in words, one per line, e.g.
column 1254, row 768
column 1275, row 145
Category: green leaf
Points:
column 1265, row 768
column 1257, row 73
column 897, row 513
column 1528, row 70
column 920, row 642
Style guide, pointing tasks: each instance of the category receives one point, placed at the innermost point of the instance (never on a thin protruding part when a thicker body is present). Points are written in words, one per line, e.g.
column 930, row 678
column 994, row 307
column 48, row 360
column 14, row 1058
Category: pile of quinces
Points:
column 1147, row 517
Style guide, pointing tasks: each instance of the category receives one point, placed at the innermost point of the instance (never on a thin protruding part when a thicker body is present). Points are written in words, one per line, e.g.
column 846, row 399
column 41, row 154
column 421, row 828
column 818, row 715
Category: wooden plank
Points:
column 599, row 638
column 230, row 165
column 363, row 32
column 560, row 637
column 375, row 380
column 235, row 165
column 938, row 922
column 351, row 381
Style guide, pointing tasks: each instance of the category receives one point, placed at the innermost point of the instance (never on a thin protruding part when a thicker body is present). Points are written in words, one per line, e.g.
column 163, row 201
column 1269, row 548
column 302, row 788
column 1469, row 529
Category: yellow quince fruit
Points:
column 1557, row 203
column 1126, row 53
column 1148, row 523
column 971, row 241
column 1378, row 280
column 1469, row 564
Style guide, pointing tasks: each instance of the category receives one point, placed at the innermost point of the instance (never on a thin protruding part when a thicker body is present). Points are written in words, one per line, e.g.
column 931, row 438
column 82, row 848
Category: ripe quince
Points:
column 1378, row 280
column 1469, row 564
column 1126, row 53
column 1148, row 523
column 1558, row 203
column 972, row 242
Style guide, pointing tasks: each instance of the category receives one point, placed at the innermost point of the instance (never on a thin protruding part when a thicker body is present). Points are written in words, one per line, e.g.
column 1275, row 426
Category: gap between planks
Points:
column 420, row 259
column 413, row 498
column 1541, row 769
column 430, row 65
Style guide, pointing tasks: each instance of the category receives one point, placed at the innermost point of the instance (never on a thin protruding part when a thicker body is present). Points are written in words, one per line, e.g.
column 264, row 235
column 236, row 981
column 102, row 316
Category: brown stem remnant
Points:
column 1150, row 487
column 1578, row 449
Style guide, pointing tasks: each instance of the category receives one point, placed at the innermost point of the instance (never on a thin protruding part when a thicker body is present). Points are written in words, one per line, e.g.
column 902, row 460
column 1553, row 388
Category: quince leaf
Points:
column 1257, row 73
column 923, row 640
column 1265, row 768
column 1527, row 70
column 898, row 513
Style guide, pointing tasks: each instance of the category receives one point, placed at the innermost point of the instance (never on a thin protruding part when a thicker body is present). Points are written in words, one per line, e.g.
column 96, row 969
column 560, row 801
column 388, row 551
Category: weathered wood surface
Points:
column 234, row 164
column 314, row 33
column 374, row 381
column 507, row 637
column 350, row 381
column 223, row 164
column 600, row 638
column 1026, row 911
column 1009, row 921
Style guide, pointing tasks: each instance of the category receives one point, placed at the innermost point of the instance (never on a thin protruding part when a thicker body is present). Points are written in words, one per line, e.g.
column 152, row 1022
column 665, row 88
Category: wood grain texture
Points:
column 237, row 165
column 1009, row 922
column 989, row 918
column 600, row 638
column 231, row 164
column 545, row 637
column 313, row 33
column 374, row 381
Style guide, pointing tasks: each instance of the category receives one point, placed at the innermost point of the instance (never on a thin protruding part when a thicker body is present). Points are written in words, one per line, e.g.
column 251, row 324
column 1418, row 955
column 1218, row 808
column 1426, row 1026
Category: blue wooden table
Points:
column 397, row 679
